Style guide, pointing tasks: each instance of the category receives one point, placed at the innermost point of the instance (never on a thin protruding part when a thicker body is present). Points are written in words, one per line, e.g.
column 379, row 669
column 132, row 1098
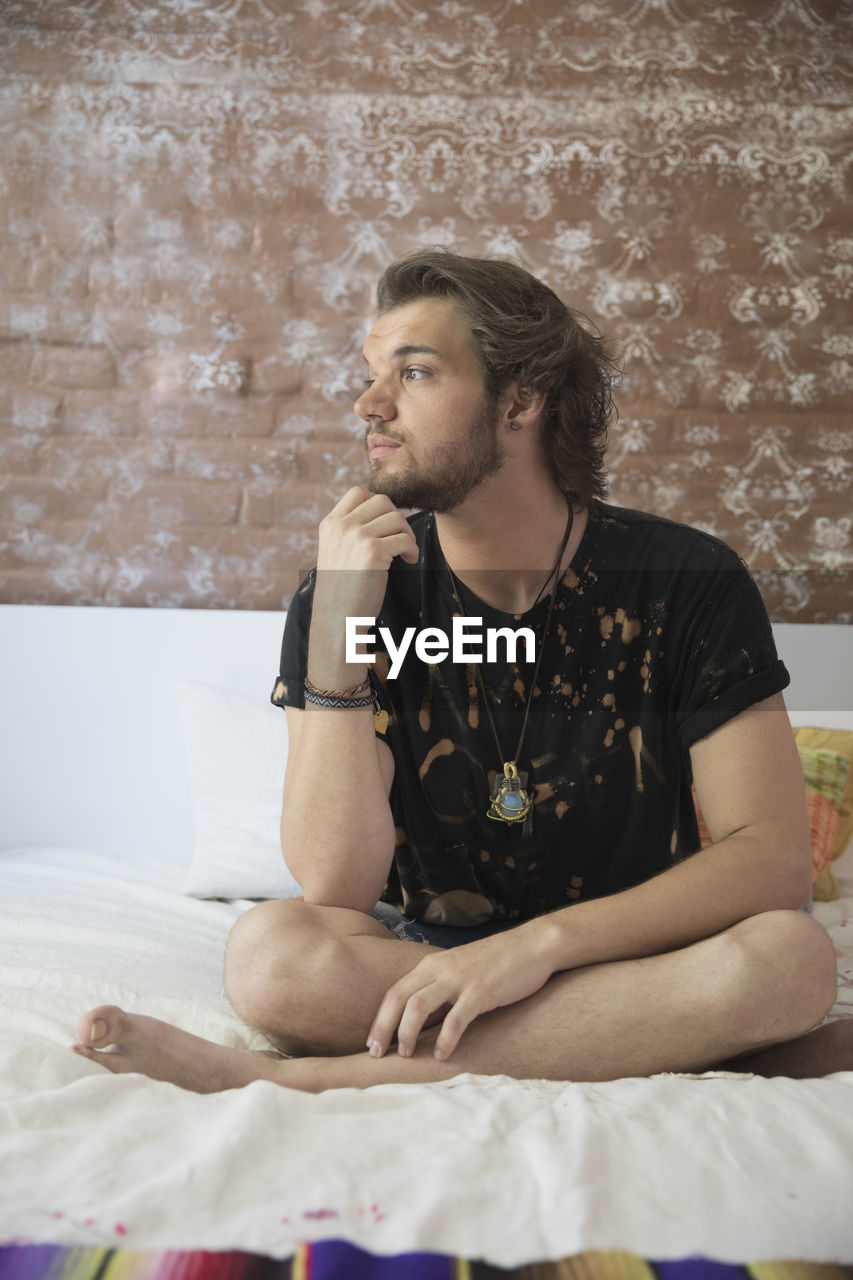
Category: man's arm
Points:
column 750, row 787
column 337, row 830
column 749, row 783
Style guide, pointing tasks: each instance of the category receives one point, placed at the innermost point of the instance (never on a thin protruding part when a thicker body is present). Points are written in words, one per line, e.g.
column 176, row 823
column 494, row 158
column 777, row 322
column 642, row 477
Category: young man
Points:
column 527, row 818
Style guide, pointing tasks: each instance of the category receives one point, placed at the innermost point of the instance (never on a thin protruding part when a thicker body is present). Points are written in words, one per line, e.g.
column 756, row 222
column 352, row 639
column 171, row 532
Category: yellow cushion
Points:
column 840, row 741
column 827, row 774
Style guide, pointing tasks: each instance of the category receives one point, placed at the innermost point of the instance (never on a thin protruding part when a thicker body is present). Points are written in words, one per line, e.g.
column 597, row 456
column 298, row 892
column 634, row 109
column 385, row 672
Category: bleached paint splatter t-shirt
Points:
column 658, row 636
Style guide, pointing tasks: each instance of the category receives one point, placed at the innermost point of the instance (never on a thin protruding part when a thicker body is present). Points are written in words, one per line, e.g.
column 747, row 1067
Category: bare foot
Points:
column 818, row 1053
column 127, row 1042
column 131, row 1042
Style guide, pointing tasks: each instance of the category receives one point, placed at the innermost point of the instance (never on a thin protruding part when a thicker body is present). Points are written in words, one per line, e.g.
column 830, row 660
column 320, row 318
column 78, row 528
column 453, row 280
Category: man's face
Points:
column 432, row 429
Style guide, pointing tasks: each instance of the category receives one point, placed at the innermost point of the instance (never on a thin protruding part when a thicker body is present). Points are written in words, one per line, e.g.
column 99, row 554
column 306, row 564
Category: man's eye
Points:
column 415, row 374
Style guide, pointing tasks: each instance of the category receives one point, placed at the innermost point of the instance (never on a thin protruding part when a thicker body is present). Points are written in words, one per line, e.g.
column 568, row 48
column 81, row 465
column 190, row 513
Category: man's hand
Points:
column 364, row 531
column 359, row 538
column 466, row 981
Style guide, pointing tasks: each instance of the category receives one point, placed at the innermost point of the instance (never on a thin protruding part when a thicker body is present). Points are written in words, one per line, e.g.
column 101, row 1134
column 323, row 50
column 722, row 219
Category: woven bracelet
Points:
column 336, row 701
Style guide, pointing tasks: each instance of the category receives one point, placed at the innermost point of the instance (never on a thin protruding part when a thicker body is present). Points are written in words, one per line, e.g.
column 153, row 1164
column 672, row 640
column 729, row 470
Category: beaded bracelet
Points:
column 338, row 693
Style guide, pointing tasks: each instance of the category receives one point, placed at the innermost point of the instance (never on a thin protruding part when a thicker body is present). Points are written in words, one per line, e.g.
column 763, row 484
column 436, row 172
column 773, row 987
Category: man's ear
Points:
column 525, row 406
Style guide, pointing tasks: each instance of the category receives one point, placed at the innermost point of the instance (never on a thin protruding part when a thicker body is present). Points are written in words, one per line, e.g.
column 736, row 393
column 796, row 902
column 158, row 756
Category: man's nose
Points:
column 374, row 402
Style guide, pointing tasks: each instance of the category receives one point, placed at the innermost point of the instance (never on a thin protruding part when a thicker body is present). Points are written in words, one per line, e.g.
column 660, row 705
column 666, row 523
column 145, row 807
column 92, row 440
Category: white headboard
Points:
column 91, row 752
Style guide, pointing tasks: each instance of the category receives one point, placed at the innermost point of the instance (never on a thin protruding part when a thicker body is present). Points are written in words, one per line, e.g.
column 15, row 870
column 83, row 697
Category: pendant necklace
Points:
column 510, row 800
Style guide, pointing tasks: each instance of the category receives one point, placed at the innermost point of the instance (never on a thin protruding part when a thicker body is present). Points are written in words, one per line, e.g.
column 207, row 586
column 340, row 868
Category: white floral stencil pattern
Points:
column 200, row 194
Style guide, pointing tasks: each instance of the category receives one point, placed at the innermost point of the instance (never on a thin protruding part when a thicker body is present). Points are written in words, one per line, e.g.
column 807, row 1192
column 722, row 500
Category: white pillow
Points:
column 236, row 750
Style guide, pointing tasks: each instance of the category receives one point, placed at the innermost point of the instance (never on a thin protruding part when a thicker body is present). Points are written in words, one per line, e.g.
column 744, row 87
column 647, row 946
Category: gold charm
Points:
column 380, row 720
column 509, row 801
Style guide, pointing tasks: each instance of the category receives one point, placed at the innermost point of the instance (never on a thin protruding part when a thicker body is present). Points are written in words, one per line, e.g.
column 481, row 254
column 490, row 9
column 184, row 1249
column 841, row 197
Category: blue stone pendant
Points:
column 509, row 801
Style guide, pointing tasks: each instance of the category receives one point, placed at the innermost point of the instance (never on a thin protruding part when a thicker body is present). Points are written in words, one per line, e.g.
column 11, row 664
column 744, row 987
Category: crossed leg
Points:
column 311, row 978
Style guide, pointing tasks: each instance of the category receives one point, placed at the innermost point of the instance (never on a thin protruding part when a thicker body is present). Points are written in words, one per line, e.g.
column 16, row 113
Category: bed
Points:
column 139, row 797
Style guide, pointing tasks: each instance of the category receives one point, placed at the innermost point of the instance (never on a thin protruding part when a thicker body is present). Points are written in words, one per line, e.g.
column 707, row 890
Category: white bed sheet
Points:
column 732, row 1167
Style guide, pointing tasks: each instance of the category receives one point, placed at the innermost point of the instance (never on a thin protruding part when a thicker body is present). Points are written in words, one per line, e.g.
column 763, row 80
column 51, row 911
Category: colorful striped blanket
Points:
column 338, row 1260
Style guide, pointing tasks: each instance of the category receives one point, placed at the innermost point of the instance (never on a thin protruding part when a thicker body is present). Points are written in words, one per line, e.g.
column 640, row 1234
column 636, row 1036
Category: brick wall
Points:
column 198, row 200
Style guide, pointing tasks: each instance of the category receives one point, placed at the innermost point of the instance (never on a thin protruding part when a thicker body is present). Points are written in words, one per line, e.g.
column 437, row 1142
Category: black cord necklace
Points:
column 510, row 800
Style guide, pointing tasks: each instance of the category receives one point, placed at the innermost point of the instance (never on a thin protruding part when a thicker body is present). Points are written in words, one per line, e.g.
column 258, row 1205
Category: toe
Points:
column 100, row 1027
column 112, row 1058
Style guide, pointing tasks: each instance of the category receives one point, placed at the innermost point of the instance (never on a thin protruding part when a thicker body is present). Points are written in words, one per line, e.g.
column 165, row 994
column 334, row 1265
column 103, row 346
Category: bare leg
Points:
column 818, row 1053
column 311, row 978
column 755, row 985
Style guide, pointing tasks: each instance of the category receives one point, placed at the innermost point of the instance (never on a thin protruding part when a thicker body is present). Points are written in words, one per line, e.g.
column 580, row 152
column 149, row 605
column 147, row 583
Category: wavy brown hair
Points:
column 523, row 333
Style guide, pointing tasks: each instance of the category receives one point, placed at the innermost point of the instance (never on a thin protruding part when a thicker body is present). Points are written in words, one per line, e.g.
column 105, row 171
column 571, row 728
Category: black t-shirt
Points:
column 658, row 635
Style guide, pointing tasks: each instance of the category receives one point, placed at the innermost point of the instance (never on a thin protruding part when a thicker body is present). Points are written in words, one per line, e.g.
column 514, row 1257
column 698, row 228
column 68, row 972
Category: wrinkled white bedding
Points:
column 733, row 1167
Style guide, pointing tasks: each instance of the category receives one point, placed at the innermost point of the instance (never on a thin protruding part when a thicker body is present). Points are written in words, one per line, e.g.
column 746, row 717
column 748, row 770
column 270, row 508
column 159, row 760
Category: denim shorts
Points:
column 436, row 935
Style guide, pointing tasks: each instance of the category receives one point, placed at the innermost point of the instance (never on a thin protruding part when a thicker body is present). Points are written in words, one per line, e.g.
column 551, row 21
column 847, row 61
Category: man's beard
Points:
column 459, row 469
